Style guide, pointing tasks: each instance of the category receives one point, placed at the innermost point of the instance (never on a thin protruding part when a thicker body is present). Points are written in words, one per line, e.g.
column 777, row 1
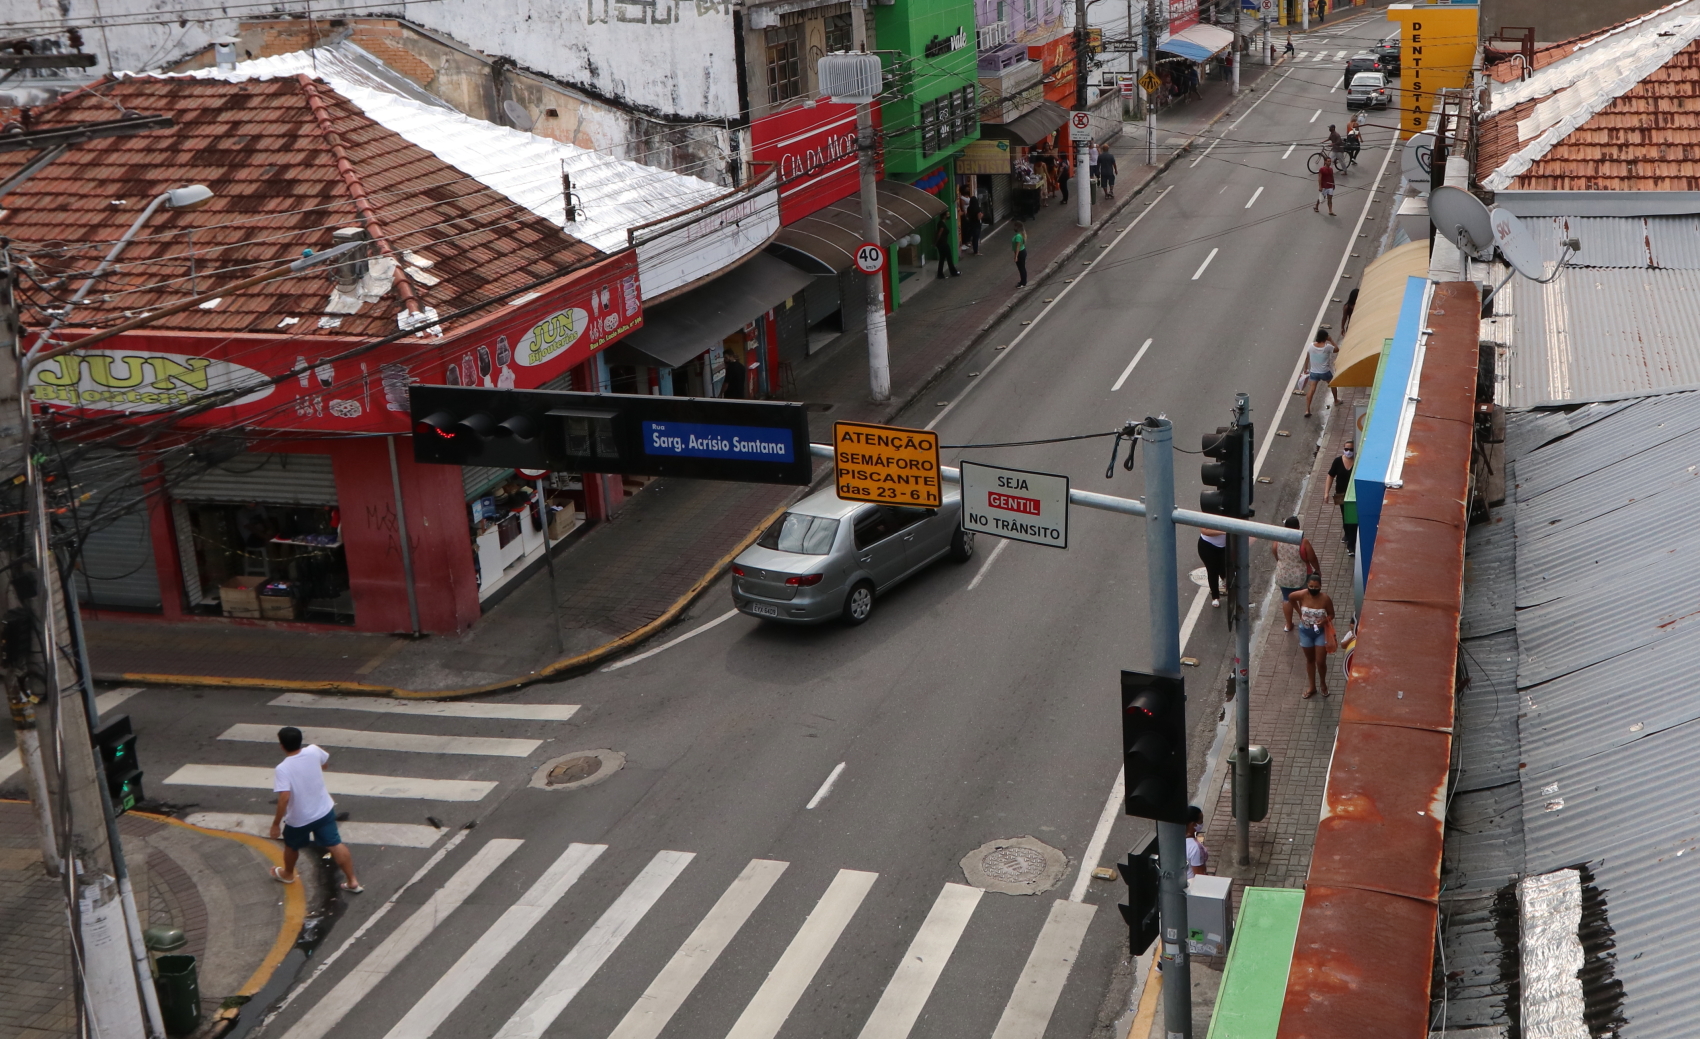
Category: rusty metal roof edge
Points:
column 1328, row 942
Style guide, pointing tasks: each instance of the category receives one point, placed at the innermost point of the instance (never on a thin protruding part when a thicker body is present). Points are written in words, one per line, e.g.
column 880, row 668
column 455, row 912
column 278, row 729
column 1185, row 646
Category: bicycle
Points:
column 1342, row 164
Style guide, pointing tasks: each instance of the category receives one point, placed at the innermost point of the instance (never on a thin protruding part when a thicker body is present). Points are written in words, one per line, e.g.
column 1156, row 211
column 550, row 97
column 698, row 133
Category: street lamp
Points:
column 186, row 197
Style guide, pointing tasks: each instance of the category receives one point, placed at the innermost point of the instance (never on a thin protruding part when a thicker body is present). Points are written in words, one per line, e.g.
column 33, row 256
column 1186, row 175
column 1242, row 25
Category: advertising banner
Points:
column 814, row 151
column 300, row 383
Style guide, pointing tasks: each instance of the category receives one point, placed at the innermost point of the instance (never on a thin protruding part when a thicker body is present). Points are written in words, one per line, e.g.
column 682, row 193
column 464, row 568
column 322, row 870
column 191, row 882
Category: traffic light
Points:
column 637, row 434
column 1142, row 873
column 1154, row 746
column 1231, row 446
column 116, row 741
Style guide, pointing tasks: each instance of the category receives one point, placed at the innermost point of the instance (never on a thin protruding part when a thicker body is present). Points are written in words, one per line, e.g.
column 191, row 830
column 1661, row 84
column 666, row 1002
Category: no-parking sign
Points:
column 1080, row 126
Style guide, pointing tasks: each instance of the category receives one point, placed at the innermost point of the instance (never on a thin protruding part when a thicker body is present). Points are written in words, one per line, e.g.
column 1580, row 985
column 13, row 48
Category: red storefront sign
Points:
column 1056, row 59
column 1183, row 14
column 814, row 149
column 148, row 374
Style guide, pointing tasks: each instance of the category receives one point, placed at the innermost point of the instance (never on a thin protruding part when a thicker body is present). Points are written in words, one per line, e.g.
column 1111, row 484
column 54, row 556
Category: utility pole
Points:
column 1162, row 574
column 1304, row 5
column 867, row 147
column 1082, row 68
column 1151, row 67
column 1235, row 49
column 1242, row 641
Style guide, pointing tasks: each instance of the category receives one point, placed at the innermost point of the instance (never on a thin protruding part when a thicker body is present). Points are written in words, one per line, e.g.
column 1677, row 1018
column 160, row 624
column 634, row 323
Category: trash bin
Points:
column 1259, row 794
column 178, row 983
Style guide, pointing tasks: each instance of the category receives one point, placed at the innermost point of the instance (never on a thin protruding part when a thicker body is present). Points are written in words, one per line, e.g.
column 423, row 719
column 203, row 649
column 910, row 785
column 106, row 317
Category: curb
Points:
column 294, row 900
column 569, row 667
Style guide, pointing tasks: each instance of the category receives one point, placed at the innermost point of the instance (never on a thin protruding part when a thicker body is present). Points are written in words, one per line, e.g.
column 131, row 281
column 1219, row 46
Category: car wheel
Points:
column 962, row 545
column 859, row 604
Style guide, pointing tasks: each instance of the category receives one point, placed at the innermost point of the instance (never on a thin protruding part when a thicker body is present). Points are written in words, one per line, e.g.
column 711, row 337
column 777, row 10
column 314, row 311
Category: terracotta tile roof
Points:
column 279, row 188
column 1648, row 139
column 1506, row 66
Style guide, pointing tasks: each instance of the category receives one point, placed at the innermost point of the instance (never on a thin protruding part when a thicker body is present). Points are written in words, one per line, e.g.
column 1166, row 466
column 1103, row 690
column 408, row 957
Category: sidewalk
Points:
column 1299, row 733
column 239, row 922
column 632, row 576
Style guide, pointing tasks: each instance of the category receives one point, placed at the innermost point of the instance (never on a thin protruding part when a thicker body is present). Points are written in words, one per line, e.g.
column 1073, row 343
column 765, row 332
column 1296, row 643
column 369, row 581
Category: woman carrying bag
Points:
column 1316, row 632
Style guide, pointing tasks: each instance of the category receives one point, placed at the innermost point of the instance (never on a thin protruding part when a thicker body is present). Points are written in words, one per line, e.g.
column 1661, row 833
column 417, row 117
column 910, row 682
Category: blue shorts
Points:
column 1312, row 638
column 1321, row 376
column 322, row 831
column 1287, row 593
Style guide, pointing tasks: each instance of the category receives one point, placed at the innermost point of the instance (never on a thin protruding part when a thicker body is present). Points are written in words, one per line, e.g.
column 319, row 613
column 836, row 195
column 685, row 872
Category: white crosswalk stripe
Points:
column 512, row 937
column 429, row 1013
column 766, row 1013
column 650, row 1014
column 354, row 783
column 1028, row 1012
column 919, row 971
column 369, row 739
column 592, row 951
column 524, row 712
column 366, row 975
column 393, row 835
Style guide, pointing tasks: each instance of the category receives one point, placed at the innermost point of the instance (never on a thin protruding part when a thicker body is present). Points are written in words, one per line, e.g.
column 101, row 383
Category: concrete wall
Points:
column 634, row 77
column 1556, row 20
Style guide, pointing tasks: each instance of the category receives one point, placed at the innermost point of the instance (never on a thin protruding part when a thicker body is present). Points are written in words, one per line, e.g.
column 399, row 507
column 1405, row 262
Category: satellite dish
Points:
column 517, row 115
column 1462, row 220
column 1418, row 159
column 1517, row 244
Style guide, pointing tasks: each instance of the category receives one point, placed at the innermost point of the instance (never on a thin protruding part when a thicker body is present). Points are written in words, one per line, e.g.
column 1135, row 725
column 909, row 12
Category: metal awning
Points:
column 680, row 329
column 1381, row 293
column 1198, row 42
column 825, row 242
column 1028, row 128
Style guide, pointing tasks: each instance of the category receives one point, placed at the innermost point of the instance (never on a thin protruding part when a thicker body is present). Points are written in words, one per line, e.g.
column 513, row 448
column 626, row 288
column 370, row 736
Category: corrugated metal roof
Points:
column 1596, row 333
column 1607, row 731
column 1490, row 554
column 1667, row 242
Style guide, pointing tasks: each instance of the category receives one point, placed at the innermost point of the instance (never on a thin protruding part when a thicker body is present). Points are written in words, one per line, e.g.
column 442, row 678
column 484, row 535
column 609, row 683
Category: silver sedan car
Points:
column 829, row 558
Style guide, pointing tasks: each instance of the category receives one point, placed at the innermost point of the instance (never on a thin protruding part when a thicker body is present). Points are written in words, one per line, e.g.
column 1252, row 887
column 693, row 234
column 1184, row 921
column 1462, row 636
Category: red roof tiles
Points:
column 278, row 189
column 1646, row 140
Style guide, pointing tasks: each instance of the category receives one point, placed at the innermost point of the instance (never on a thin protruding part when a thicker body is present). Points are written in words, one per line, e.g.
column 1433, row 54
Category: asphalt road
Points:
column 978, row 704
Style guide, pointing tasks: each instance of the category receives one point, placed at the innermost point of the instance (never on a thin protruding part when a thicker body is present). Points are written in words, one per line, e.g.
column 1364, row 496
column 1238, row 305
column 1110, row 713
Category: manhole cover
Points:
column 573, row 770
column 1015, row 866
column 578, row 769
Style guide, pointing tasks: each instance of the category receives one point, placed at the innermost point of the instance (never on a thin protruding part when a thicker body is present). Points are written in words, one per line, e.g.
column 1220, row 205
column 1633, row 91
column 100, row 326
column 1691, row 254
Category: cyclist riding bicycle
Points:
column 1337, row 147
column 1354, row 136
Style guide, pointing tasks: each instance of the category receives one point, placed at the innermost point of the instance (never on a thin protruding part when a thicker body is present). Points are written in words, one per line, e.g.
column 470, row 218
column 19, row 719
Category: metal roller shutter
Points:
column 479, row 478
column 265, row 477
column 115, row 566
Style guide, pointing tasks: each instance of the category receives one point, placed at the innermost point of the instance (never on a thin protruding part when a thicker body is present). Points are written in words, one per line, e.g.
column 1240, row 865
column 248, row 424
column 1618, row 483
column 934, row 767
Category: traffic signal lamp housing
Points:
column 637, row 434
column 1142, row 873
column 1230, row 473
column 1154, row 746
column 116, row 742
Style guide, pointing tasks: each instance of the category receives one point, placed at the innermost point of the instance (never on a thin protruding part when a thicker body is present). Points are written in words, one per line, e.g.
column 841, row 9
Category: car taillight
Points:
column 737, row 571
column 804, row 581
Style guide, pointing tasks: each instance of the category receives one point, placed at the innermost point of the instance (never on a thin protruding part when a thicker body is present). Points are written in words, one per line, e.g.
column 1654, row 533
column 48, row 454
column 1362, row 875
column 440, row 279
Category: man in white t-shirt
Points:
column 305, row 812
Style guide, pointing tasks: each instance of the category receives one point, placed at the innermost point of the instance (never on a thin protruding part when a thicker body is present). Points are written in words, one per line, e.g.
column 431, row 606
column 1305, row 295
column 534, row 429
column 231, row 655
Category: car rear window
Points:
column 805, row 535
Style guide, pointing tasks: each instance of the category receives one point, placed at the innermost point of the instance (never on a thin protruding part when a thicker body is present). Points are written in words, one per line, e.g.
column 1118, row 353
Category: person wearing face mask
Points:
column 1340, row 472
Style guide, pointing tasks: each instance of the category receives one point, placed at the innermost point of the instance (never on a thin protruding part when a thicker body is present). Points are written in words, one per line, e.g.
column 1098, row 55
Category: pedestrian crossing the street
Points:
column 399, row 773
column 482, row 975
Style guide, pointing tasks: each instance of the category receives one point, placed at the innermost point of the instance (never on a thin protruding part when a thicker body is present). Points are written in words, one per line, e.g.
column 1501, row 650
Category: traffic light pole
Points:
column 1242, row 648
column 1162, row 578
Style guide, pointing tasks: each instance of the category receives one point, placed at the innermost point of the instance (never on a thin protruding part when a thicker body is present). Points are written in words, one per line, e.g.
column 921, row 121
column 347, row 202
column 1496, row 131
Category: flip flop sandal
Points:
column 355, row 890
column 277, row 875
column 1308, row 693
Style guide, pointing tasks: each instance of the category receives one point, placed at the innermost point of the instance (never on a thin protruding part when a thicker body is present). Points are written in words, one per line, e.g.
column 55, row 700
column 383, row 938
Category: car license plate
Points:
column 761, row 609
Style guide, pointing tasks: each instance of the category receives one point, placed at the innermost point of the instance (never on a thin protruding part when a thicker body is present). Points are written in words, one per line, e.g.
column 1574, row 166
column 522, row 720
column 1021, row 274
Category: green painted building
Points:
column 933, row 75
column 930, row 111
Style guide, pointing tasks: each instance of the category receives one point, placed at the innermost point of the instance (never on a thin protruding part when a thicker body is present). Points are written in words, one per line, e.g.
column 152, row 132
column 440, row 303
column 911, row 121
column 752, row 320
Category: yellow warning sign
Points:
column 1150, row 82
column 887, row 464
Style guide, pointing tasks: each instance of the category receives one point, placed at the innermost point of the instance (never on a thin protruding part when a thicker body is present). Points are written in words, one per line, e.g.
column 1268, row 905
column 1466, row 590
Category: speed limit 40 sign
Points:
column 870, row 258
